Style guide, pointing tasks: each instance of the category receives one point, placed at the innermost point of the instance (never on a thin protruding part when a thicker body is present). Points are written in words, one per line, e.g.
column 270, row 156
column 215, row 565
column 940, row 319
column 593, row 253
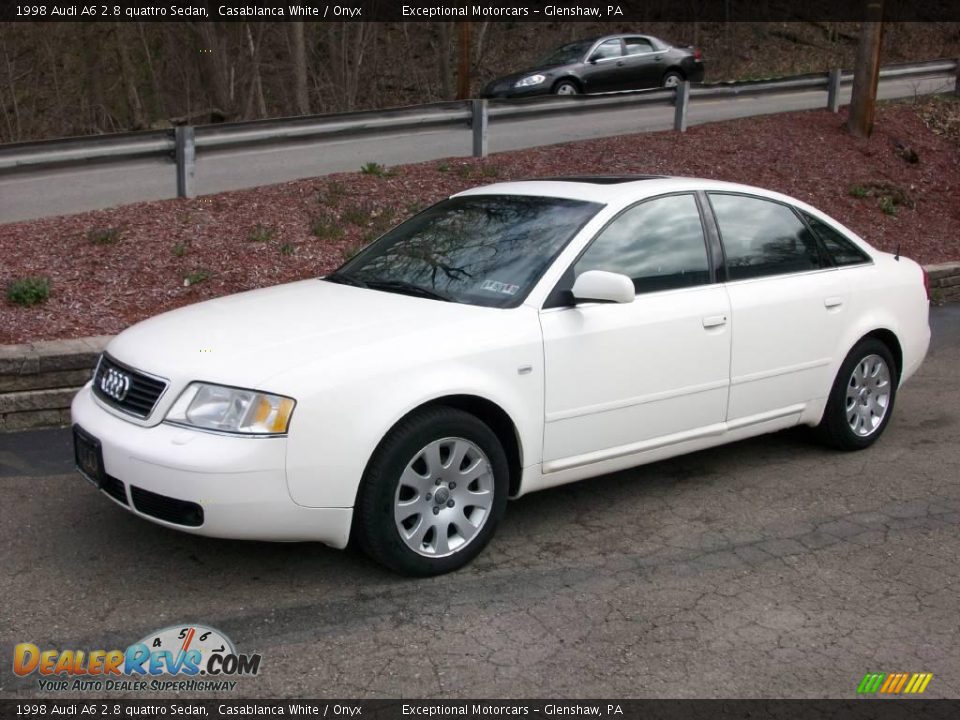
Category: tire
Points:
column 417, row 514
column 671, row 78
column 566, row 87
column 863, row 394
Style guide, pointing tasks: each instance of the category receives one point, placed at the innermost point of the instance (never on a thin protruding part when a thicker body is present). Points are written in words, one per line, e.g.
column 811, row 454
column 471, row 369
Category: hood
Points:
column 246, row 338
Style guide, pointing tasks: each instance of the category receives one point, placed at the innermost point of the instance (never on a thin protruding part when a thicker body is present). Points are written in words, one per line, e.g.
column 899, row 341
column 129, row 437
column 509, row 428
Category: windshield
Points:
column 480, row 249
column 567, row 54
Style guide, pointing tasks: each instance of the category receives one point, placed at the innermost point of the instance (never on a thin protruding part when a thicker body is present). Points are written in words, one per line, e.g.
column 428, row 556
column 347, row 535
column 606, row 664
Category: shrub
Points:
column 325, row 228
column 105, row 236
column 352, row 249
column 28, row 291
column 357, row 214
column 333, row 192
column 858, row 191
column 287, row 249
column 443, row 167
column 195, row 277
column 180, row 249
column 261, row 233
column 376, row 169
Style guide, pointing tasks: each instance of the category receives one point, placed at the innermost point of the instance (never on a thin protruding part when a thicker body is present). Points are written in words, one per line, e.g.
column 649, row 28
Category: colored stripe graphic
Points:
column 894, row 683
column 871, row 682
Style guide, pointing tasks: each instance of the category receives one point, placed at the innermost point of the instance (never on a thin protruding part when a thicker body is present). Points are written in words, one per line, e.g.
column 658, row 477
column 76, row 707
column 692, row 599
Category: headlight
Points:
column 531, row 80
column 233, row 410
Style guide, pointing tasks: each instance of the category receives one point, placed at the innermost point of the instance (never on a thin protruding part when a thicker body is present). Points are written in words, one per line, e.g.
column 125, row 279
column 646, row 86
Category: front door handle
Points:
column 714, row 321
column 832, row 302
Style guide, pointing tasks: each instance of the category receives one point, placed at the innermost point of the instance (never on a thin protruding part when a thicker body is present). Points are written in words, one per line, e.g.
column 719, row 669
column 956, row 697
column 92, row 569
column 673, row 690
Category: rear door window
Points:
column 762, row 237
column 637, row 45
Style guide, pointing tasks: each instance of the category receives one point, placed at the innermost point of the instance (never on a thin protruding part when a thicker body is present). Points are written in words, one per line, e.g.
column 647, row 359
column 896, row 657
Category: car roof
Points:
column 618, row 190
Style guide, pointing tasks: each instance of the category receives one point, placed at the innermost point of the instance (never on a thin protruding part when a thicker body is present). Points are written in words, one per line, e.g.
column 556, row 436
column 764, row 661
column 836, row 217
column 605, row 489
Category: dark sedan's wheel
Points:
column 671, row 79
column 433, row 493
column 566, row 87
column 861, row 400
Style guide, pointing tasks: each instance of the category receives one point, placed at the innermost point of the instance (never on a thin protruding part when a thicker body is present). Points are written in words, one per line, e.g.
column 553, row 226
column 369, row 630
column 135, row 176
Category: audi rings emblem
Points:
column 115, row 384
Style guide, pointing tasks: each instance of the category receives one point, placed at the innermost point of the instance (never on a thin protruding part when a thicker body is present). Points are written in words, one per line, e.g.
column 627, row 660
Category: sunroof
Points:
column 603, row 179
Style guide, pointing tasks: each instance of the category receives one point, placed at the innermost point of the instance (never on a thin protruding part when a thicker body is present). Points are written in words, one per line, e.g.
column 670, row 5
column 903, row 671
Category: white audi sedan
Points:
column 508, row 339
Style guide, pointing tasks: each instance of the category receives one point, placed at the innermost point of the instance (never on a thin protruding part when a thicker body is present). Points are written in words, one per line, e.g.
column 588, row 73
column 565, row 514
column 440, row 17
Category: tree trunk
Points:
column 134, row 106
column 298, row 52
column 866, row 72
column 443, row 61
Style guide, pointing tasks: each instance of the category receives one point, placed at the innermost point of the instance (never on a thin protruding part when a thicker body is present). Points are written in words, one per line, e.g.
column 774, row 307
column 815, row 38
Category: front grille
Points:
column 114, row 488
column 166, row 508
column 126, row 389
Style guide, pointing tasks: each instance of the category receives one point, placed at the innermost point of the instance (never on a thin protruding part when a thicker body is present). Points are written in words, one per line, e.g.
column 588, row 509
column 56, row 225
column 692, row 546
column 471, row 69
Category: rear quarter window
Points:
column 841, row 249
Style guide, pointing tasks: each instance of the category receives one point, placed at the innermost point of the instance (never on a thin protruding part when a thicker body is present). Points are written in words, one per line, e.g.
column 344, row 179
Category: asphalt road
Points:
column 769, row 568
column 98, row 185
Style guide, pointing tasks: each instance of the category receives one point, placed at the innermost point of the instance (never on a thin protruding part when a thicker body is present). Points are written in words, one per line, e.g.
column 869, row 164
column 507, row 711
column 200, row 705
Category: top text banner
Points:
column 628, row 12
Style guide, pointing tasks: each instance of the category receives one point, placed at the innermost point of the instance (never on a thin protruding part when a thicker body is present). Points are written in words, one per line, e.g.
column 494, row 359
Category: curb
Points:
column 38, row 380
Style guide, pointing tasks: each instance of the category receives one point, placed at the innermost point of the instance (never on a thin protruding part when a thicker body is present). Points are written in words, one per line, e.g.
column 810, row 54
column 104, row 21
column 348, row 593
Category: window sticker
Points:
column 499, row 287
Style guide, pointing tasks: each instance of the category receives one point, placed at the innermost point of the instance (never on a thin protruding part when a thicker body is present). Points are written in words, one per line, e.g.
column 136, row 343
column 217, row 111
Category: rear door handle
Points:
column 832, row 302
column 714, row 321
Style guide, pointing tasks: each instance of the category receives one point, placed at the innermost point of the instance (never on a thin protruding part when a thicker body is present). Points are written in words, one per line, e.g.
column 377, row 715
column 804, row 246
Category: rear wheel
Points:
column 433, row 493
column 862, row 397
column 671, row 79
column 566, row 87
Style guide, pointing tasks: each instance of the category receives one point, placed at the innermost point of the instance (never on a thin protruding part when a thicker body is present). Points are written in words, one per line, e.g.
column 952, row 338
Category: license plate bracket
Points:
column 88, row 456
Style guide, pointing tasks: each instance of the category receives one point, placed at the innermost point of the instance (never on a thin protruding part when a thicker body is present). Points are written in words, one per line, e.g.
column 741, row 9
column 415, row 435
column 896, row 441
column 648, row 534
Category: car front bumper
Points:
column 163, row 473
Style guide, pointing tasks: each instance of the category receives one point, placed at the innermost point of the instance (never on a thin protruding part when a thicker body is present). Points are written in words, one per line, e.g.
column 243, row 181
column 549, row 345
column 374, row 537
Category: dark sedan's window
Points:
column 608, row 49
column 658, row 244
column 762, row 237
column 566, row 54
column 478, row 249
column 841, row 250
column 637, row 45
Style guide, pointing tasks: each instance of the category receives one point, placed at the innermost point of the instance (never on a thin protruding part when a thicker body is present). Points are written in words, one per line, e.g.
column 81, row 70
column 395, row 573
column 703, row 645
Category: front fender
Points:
column 336, row 430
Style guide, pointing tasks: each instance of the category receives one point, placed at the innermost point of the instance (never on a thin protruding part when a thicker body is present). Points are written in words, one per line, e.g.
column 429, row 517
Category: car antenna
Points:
column 896, row 255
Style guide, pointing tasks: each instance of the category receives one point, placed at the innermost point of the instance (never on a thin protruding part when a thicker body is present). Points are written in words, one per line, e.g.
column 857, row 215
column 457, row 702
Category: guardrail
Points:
column 182, row 145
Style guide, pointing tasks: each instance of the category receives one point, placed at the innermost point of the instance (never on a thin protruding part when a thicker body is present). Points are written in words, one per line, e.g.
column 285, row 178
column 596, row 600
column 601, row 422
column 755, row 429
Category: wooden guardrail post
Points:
column 480, row 120
column 833, row 90
column 680, row 103
column 186, row 156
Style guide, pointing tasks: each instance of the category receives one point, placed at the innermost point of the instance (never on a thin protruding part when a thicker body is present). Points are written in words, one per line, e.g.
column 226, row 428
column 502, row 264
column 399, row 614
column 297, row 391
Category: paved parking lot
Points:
column 770, row 568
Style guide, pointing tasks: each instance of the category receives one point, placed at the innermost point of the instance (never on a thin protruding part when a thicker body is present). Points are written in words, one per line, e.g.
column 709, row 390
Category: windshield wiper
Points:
column 406, row 288
column 344, row 279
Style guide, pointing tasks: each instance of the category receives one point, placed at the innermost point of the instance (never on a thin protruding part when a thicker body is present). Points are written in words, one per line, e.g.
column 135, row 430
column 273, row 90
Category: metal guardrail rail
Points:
column 183, row 144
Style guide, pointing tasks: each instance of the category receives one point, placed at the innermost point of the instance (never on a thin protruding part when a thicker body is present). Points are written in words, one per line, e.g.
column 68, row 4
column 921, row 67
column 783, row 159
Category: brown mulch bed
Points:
column 111, row 268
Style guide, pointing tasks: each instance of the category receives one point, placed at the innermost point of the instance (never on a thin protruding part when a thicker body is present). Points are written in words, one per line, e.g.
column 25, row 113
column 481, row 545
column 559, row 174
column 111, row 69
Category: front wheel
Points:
column 861, row 400
column 566, row 87
column 433, row 493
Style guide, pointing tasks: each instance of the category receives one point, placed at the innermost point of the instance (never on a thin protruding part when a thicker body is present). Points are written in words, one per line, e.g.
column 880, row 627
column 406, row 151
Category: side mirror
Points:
column 593, row 60
column 602, row 286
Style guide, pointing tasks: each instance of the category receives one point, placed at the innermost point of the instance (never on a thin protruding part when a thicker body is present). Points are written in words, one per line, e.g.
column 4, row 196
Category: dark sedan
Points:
column 607, row 64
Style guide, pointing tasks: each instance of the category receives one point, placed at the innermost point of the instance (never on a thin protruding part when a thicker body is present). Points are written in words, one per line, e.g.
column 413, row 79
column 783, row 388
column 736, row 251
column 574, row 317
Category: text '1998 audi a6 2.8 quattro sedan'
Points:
column 508, row 339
